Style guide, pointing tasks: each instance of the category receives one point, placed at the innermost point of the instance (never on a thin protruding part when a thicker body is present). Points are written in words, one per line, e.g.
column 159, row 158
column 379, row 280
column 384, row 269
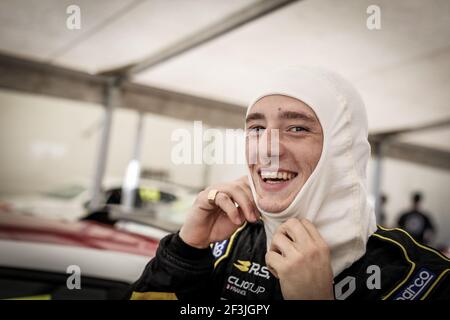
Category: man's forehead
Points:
column 277, row 102
column 281, row 111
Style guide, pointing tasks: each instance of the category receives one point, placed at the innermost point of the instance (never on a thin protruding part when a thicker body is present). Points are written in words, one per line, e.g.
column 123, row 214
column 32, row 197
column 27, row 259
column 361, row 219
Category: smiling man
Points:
column 300, row 225
column 299, row 148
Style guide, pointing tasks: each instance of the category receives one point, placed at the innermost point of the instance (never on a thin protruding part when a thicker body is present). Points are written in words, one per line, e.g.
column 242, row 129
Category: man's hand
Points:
column 210, row 222
column 300, row 259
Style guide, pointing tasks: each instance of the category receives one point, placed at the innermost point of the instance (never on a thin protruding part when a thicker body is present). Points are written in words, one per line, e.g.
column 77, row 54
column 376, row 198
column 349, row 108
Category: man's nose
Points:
column 270, row 143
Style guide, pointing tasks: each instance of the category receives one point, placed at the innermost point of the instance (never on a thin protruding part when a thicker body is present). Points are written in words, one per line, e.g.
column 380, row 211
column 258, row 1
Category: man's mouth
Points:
column 276, row 176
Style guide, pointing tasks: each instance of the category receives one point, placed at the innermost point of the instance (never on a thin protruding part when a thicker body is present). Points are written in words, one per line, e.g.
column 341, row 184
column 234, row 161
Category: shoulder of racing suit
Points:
column 395, row 267
column 236, row 266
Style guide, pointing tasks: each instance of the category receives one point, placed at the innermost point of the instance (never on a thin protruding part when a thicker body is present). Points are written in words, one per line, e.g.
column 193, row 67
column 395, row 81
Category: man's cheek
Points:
column 252, row 156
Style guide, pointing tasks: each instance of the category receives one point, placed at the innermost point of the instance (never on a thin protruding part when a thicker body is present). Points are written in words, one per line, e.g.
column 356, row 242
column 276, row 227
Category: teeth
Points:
column 277, row 175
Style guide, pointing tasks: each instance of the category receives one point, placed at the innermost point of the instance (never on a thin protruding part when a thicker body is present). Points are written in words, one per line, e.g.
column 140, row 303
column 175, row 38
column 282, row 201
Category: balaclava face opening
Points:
column 334, row 197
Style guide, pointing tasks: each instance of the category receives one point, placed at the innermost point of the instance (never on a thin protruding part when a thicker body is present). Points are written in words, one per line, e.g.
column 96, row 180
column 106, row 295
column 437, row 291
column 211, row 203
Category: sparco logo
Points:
column 416, row 286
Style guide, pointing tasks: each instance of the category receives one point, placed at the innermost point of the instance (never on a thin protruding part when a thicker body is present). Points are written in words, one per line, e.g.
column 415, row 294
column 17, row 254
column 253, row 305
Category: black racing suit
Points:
column 394, row 267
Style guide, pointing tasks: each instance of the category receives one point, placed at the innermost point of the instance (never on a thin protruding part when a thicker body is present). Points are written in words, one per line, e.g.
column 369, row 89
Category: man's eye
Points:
column 297, row 129
column 256, row 130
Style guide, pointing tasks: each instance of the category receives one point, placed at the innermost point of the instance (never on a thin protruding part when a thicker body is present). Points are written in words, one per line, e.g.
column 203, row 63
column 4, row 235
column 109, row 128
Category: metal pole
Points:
column 111, row 98
column 133, row 172
column 377, row 172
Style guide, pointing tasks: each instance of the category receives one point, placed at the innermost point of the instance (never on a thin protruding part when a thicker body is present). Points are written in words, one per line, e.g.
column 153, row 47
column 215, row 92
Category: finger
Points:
column 246, row 189
column 295, row 230
column 245, row 185
column 224, row 202
column 312, row 230
column 243, row 201
column 274, row 262
column 281, row 243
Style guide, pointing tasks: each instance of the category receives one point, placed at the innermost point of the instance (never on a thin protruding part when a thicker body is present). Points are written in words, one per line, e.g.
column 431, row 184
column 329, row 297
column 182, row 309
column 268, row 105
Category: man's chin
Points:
column 270, row 205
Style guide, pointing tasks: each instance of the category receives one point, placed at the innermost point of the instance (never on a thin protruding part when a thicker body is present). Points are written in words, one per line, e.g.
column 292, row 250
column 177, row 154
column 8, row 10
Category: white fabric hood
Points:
column 334, row 197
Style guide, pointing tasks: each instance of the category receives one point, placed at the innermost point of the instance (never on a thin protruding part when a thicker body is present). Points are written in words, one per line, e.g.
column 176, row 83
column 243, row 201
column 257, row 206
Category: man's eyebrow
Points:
column 296, row 115
column 255, row 116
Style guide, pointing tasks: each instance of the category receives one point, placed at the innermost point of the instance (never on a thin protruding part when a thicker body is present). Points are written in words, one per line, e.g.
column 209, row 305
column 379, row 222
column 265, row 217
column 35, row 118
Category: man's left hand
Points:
column 300, row 259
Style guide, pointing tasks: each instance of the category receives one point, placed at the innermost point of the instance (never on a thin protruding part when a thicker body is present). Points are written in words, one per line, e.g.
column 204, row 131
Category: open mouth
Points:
column 276, row 176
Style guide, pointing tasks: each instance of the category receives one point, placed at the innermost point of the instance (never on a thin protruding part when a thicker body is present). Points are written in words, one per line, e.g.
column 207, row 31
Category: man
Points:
column 382, row 210
column 416, row 222
column 300, row 225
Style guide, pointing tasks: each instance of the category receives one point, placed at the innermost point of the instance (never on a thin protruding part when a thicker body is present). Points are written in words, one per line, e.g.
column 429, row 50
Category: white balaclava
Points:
column 334, row 198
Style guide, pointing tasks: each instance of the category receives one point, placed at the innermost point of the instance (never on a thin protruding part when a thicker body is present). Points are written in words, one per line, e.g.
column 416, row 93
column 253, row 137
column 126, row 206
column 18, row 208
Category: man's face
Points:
column 300, row 140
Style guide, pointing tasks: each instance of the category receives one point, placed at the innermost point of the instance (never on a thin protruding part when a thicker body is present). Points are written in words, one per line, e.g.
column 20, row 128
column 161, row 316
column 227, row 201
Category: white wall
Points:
column 156, row 147
column 42, row 141
column 46, row 142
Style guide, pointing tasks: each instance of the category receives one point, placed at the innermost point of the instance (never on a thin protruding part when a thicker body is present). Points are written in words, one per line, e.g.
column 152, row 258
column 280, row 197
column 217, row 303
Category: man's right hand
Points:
column 207, row 223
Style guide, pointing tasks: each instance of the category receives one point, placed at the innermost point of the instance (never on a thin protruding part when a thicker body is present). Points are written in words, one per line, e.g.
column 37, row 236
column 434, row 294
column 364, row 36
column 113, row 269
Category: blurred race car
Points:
column 70, row 202
column 41, row 258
